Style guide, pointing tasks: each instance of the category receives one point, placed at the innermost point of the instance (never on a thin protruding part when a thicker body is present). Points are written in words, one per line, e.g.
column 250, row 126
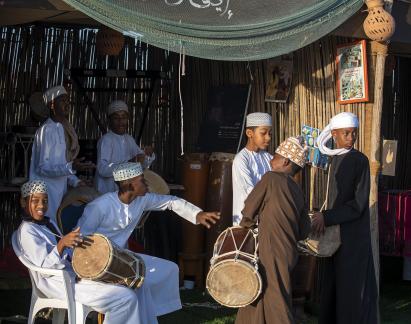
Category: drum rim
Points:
column 225, row 157
column 260, row 282
column 110, row 259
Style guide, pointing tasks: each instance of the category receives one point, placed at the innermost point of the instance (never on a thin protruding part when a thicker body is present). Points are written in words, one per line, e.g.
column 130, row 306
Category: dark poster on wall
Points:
column 222, row 126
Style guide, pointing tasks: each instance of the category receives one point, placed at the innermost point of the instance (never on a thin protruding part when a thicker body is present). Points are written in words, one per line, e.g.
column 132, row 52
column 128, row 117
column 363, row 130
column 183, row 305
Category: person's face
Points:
column 139, row 186
column 36, row 205
column 345, row 137
column 61, row 106
column 278, row 163
column 260, row 136
column 119, row 122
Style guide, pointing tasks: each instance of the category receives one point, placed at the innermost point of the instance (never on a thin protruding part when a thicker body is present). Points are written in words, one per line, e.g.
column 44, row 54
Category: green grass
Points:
column 395, row 303
column 200, row 308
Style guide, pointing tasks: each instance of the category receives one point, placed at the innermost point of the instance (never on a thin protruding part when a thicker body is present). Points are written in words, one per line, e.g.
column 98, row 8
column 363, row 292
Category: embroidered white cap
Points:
column 294, row 149
column 32, row 187
column 117, row 105
column 258, row 119
column 127, row 171
column 53, row 93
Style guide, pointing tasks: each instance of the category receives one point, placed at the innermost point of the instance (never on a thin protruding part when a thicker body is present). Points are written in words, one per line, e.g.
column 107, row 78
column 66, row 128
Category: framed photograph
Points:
column 352, row 79
column 279, row 74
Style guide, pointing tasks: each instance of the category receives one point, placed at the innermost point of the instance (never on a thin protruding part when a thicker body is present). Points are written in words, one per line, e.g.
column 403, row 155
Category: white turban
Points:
column 33, row 187
column 258, row 119
column 127, row 171
column 53, row 93
column 293, row 149
column 116, row 105
column 342, row 120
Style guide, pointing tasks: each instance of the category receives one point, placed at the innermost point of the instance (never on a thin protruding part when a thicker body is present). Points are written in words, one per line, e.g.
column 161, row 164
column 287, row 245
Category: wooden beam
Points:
column 380, row 51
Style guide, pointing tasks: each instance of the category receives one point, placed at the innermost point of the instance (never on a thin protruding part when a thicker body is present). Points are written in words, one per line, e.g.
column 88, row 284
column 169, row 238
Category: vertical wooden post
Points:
column 380, row 50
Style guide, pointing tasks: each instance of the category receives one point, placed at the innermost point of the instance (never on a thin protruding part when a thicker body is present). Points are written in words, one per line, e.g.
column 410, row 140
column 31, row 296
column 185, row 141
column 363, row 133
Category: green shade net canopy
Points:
column 234, row 30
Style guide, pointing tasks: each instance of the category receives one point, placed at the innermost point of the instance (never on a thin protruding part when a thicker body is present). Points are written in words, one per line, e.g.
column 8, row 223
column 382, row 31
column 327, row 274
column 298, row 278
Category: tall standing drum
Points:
column 194, row 179
column 233, row 279
column 219, row 196
column 100, row 260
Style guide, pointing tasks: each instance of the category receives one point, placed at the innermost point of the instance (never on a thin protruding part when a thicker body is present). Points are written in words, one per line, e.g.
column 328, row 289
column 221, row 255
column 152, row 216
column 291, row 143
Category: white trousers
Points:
column 119, row 304
column 162, row 282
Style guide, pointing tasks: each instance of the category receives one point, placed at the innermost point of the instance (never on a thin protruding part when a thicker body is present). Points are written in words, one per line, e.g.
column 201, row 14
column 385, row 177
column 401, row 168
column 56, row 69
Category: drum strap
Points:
column 325, row 204
column 45, row 222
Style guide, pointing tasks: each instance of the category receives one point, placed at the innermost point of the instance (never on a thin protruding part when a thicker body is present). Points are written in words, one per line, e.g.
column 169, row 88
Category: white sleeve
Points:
column 104, row 153
column 148, row 160
column 44, row 145
column 136, row 150
column 242, row 180
column 91, row 219
column 73, row 180
column 180, row 206
column 38, row 251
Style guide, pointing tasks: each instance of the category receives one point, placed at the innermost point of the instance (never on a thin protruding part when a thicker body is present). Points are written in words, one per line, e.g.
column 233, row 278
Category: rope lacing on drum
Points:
column 134, row 265
column 237, row 252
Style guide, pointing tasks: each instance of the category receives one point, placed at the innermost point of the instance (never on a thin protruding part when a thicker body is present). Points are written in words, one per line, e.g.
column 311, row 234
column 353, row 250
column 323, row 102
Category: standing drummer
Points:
column 277, row 204
column 55, row 149
column 116, row 214
column 40, row 241
column 118, row 147
column 252, row 162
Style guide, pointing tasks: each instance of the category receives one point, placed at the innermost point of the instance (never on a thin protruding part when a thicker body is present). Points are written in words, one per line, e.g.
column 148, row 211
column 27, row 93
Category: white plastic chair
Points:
column 77, row 312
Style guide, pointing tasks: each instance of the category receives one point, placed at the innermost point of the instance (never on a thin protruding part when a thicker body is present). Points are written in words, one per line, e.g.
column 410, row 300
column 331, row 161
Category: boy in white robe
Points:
column 118, row 147
column 116, row 215
column 252, row 162
column 55, row 149
column 43, row 245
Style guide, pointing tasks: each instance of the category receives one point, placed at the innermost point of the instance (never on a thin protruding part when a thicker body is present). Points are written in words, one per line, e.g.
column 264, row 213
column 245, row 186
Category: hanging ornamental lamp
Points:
column 109, row 42
column 379, row 24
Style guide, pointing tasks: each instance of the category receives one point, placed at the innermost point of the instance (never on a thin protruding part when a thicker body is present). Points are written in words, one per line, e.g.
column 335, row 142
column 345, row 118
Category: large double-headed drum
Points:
column 97, row 258
column 233, row 279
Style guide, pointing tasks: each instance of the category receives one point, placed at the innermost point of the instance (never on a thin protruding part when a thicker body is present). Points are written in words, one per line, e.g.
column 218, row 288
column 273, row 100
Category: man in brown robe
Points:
column 277, row 203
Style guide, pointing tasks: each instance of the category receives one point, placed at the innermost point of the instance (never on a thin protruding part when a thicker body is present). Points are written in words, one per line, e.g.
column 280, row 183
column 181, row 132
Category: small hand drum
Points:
column 100, row 260
column 233, row 279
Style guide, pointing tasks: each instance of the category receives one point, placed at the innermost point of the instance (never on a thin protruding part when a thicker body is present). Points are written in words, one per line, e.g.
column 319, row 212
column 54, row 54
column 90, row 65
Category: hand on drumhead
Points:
column 317, row 223
column 207, row 218
column 70, row 240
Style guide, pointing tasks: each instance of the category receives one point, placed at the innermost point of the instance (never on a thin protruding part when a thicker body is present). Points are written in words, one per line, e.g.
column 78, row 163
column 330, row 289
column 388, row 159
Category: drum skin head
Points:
column 90, row 261
column 155, row 183
column 234, row 283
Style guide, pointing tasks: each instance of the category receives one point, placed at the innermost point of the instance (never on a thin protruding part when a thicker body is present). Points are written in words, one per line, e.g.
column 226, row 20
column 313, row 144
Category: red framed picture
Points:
column 352, row 78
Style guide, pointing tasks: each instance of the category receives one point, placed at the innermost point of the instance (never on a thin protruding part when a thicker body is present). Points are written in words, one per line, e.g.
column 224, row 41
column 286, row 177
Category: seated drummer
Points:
column 116, row 214
column 277, row 202
column 117, row 147
column 43, row 245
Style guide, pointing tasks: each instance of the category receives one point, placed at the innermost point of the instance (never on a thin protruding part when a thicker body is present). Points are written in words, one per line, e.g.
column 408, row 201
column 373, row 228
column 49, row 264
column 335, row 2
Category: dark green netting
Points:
column 223, row 29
